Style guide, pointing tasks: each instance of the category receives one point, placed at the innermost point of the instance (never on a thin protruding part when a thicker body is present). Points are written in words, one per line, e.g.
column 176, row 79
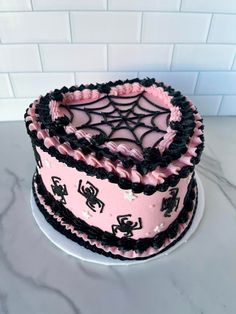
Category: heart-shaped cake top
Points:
column 139, row 134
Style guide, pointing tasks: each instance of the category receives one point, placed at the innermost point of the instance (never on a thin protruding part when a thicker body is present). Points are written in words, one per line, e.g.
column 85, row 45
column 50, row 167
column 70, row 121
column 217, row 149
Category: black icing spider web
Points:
column 109, row 116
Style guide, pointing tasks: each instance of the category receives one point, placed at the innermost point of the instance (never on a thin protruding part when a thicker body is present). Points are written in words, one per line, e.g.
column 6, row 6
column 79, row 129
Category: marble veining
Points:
column 198, row 278
column 186, row 297
column 211, row 168
column 3, row 303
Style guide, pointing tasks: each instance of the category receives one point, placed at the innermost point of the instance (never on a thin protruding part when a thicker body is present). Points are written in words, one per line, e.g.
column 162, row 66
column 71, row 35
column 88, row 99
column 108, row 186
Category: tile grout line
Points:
column 40, row 58
column 125, row 10
column 221, row 101
column 195, row 87
column 234, row 61
column 11, row 85
column 141, row 29
column 117, row 71
column 32, row 7
column 107, row 7
column 107, row 62
column 69, row 17
column 180, row 6
column 117, row 43
column 172, row 57
column 209, row 29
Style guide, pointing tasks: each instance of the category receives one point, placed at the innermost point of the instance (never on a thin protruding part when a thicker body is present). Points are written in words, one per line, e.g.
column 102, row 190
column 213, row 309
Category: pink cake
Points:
column 115, row 165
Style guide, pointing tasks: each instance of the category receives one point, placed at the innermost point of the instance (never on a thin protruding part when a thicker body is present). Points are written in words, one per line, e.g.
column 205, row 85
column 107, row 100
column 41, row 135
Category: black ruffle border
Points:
column 106, row 238
column 152, row 156
column 101, row 173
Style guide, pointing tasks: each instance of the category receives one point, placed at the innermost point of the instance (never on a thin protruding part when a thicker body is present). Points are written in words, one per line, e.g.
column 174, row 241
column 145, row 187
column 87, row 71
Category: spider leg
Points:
column 100, row 205
column 121, row 217
column 90, row 205
column 114, row 229
column 138, row 225
column 65, row 190
column 176, row 207
column 80, row 189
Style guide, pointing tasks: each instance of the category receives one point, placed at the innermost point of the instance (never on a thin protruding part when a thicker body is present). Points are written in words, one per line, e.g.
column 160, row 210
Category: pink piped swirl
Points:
column 175, row 115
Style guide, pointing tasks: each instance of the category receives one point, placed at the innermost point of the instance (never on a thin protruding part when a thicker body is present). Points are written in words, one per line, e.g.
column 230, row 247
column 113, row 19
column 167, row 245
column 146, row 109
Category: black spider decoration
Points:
column 126, row 226
column 90, row 192
column 59, row 189
column 37, row 157
column 171, row 203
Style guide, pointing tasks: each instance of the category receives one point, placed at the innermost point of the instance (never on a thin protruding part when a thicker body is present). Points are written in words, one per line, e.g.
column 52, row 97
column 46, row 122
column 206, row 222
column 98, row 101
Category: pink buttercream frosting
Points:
column 115, row 199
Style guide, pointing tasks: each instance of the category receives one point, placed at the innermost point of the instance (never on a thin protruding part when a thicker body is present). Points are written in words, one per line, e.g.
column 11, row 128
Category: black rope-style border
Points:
column 151, row 156
column 106, row 238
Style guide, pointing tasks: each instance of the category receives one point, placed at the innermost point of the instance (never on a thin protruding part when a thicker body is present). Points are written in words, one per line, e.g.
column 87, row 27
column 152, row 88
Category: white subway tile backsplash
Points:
column 188, row 44
column 35, row 84
column 203, row 57
column 19, row 58
column 228, row 106
column 216, row 83
column 206, row 105
column 69, row 5
column 209, row 6
column 139, row 57
column 15, row 5
column 182, row 81
column 105, row 26
column 162, row 5
column 34, row 27
column 103, row 77
column 5, row 86
column 13, row 110
column 175, row 27
column 223, row 28
column 234, row 64
column 73, row 57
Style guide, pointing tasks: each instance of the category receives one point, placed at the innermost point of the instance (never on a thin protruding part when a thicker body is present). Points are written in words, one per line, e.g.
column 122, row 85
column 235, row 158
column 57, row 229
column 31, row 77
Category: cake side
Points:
column 106, row 205
column 105, row 243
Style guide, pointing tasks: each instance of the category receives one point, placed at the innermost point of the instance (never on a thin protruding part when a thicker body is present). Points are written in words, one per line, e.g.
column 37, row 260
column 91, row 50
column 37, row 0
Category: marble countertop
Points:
column 197, row 278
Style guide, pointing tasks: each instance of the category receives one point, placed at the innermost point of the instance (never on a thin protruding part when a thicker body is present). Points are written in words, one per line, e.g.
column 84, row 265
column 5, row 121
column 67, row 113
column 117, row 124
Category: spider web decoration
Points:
column 132, row 119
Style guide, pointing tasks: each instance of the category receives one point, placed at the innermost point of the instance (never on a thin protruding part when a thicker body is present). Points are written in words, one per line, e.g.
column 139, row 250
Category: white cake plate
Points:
column 72, row 248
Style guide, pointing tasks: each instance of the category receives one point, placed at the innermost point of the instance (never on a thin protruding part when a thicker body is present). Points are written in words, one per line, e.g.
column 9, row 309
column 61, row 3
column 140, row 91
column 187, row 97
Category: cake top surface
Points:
column 136, row 119
column 138, row 130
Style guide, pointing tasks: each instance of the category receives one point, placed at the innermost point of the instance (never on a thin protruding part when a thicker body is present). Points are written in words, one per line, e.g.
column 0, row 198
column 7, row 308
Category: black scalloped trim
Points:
column 184, row 128
column 101, row 173
column 106, row 238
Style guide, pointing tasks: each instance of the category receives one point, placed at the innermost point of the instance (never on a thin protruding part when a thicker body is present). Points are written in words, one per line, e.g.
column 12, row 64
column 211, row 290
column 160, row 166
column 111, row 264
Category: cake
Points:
column 115, row 165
